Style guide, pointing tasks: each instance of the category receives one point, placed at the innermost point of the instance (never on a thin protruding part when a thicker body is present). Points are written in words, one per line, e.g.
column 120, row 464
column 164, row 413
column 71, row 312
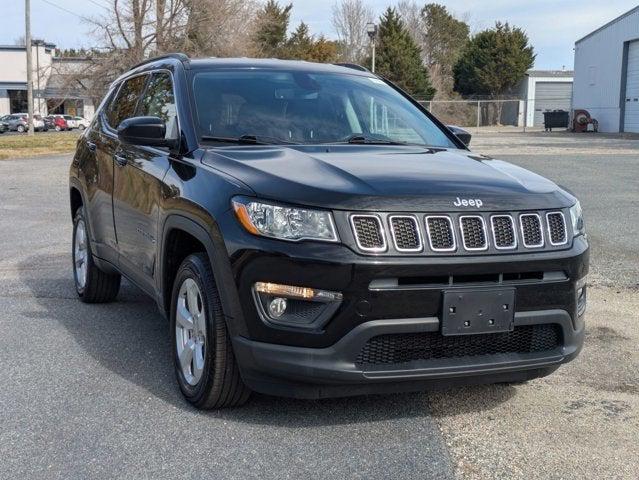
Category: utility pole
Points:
column 27, row 41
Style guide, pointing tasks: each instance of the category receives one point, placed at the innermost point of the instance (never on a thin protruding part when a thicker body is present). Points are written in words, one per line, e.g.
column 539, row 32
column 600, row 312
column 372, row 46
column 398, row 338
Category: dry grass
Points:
column 14, row 146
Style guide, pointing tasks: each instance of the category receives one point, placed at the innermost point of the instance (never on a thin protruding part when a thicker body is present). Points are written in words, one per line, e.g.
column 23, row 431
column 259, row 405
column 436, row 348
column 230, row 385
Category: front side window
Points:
column 159, row 101
column 125, row 103
column 308, row 108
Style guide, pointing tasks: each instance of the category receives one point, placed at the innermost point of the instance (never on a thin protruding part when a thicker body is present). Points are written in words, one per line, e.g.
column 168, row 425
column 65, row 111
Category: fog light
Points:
column 277, row 307
column 295, row 307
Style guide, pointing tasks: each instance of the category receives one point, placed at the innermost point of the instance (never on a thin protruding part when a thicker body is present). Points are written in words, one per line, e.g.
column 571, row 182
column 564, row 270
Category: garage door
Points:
column 551, row 96
column 631, row 111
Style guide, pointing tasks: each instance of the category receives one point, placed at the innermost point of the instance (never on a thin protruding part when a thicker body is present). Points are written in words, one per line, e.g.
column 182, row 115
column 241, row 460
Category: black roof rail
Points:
column 354, row 66
column 178, row 56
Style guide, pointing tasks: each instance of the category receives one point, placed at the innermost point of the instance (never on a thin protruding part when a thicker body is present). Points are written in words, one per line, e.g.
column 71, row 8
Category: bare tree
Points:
column 349, row 20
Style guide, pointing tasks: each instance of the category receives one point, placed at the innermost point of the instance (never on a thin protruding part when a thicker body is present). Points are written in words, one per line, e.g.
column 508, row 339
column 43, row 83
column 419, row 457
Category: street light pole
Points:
column 371, row 29
column 27, row 41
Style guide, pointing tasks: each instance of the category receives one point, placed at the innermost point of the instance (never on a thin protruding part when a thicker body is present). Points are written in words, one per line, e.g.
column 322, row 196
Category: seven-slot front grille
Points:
column 531, row 231
column 441, row 235
column 401, row 348
column 503, row 227
column 405, row 233
column 369, row 233
column 459, row 233
column 473, row 232
column 556, row 228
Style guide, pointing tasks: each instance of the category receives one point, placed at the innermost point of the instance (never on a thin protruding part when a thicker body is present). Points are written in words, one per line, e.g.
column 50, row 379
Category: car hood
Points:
column 393, row 178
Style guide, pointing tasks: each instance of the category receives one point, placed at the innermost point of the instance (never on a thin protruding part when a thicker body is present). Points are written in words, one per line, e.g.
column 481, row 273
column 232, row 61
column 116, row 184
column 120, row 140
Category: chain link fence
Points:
column 510, row 114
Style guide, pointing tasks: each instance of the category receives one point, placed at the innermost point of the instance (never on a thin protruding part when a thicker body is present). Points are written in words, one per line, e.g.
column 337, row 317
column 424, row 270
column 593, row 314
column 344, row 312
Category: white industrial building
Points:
column 606, row 81
column 52, row 92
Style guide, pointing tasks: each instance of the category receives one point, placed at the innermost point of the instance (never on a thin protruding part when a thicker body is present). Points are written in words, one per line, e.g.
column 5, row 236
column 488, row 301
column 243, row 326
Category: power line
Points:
column 67, row 11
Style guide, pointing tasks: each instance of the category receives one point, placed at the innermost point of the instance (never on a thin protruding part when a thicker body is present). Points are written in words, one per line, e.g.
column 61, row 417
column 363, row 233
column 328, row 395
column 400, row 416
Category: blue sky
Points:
column 552, row 25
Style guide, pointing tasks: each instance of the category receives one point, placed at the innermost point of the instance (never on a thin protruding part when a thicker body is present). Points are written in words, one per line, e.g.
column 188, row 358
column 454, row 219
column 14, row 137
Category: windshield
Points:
column 307, row 108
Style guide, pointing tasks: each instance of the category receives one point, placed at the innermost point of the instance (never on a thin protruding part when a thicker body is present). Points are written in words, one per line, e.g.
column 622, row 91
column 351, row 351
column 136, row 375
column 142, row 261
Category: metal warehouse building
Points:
column 606, row 78
column 545, row 90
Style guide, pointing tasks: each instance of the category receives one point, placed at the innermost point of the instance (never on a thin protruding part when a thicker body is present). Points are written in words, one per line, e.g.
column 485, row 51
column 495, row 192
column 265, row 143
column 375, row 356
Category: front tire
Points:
column 205, row 366
column 91, row 284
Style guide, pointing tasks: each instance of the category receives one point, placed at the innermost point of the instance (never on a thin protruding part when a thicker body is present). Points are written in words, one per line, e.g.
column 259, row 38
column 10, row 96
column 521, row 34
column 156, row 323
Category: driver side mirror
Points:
column 461, row 134
column 144, row 131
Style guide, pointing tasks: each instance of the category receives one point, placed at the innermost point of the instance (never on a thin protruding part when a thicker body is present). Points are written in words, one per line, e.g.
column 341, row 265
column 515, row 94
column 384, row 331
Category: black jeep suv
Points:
column 310, row 230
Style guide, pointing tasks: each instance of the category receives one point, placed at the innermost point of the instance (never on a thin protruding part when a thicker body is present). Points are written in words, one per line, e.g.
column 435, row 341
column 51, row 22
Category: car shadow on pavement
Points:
column 130, row 338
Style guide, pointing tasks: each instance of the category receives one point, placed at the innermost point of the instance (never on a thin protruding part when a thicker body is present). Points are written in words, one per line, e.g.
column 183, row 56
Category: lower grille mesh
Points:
column 407, row 347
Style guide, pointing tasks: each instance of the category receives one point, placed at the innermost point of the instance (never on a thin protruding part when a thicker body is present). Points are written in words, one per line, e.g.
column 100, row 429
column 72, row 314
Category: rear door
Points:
column 103, row 142
column 139, row 172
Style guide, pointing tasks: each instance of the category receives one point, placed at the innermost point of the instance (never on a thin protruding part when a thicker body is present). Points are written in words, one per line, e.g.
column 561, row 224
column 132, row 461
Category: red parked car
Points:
column 59, row 123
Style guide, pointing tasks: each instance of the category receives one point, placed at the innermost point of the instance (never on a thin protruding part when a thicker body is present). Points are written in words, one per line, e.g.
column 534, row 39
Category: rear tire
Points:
column 205, row 366
column 20, row 129
column 91, row 284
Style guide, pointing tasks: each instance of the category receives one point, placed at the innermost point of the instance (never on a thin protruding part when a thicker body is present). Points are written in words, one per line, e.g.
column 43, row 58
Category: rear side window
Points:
column 125, row 103
column 159, row 101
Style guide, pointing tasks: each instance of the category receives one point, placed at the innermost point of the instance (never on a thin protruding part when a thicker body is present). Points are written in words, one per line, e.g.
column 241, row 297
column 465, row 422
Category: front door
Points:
column 139, row 172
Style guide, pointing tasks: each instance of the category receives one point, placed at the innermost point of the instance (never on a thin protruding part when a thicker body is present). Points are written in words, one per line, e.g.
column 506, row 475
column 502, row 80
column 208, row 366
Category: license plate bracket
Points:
column 476, row 311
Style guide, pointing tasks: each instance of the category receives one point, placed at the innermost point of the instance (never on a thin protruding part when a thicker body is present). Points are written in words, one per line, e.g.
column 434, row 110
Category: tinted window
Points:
column 159, row 101
column 124, row 104
column 306, row 108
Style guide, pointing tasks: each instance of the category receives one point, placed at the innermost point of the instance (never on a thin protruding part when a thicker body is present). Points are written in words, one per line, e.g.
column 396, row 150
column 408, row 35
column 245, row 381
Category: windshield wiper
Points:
column 246, row 140
column 358, row 138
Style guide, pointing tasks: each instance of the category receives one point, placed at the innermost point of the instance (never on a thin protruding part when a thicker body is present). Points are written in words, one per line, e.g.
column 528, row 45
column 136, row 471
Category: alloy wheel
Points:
column 190, row 331
column 80, row 255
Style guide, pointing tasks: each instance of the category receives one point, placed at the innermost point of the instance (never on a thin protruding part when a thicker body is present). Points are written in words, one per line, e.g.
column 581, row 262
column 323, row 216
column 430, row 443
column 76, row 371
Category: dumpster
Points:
column 555, row 119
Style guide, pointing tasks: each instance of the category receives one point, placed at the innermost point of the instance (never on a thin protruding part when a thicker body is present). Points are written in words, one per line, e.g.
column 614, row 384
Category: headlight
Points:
column 576, row 215
column 284, row 222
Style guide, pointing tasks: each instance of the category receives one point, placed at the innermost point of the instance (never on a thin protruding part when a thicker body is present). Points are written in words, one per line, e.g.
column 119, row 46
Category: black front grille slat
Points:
column 368, row 233
column 473, row 232
column 405, row 233
column 407, row 347
column 440, row 233
column 531, row 230
column 503, row 231
column 556, row 228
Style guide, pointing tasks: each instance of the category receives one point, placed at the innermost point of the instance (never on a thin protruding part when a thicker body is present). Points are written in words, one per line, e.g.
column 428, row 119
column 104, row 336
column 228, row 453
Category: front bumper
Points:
column 334, row 371
column 324, row 363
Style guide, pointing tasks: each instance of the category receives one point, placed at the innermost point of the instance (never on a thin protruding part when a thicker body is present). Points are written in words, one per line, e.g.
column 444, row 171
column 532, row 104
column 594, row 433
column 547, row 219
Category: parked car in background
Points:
column 71, row 121
column 21, row 123
column 4, row 126
column 48, row 122
column 59, row 123
column 82, row 122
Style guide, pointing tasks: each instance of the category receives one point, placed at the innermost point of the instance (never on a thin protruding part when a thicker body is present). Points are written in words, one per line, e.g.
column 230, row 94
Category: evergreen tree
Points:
column 303, row 46
column 399, row 58
column 493, row 61
column 273, row 20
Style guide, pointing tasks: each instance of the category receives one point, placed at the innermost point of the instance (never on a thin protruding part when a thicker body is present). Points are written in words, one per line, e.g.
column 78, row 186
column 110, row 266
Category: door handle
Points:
column 122, row 161
column 92, row 146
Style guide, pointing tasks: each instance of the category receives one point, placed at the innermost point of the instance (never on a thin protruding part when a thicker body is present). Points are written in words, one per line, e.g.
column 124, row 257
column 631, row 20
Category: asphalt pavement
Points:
column 87, row 391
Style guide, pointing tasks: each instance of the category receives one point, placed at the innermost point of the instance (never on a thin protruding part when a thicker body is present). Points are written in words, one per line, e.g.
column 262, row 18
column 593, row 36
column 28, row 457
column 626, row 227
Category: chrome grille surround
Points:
column 553, row 227
column 394, row 220
column 529, row 231
column 468, row 227
column 379, row 244
column 431, row 233
column 496, row 241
